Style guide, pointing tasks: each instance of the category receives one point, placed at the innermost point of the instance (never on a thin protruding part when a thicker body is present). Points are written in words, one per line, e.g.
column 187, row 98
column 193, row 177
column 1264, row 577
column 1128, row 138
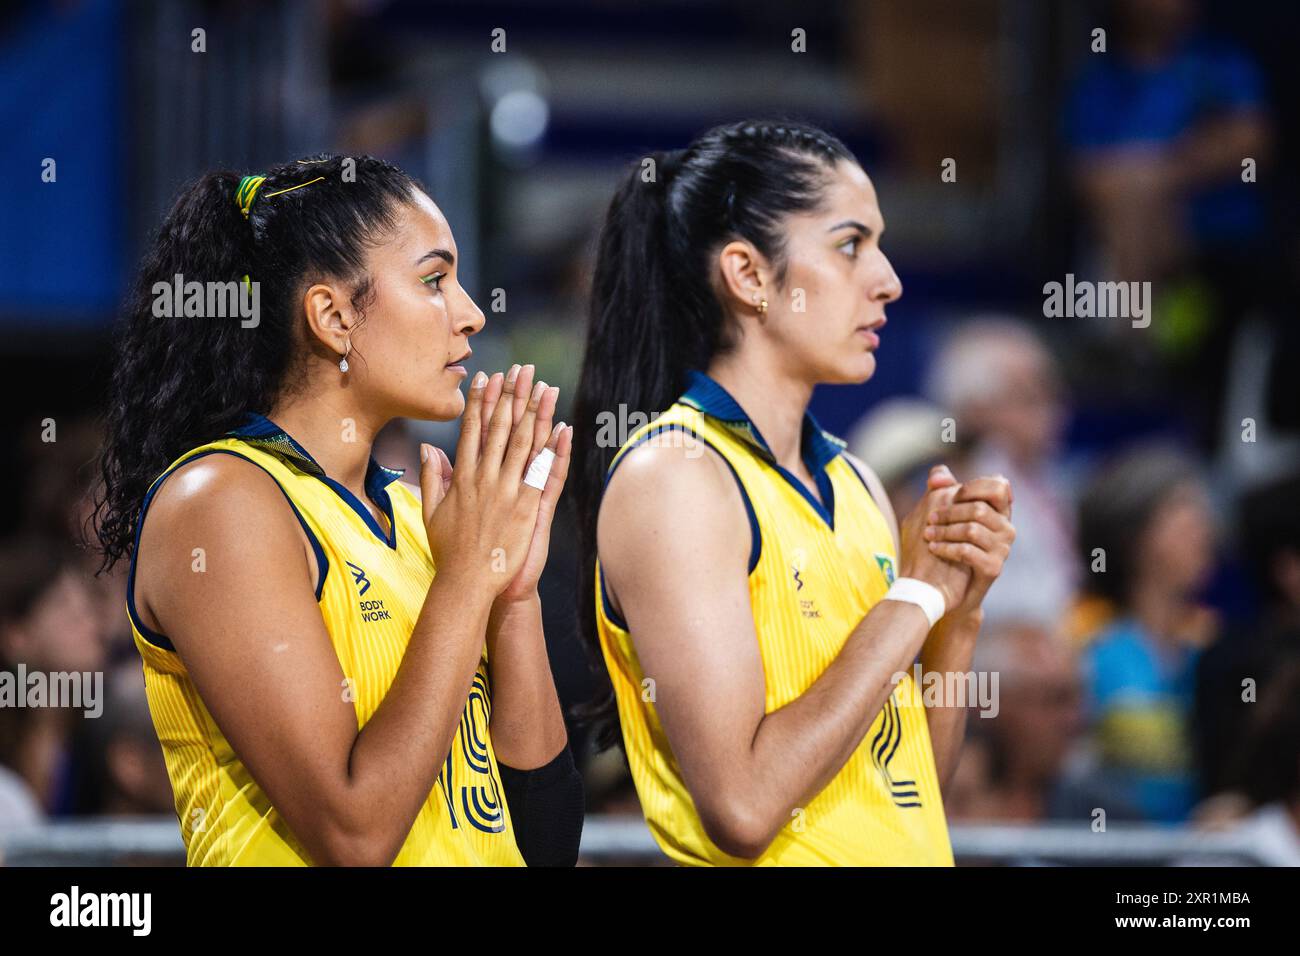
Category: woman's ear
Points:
column 329, row 316
column 744, row 275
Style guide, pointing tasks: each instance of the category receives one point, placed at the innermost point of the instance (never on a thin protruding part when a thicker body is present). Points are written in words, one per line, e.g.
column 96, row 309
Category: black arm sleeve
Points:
column 546, row 809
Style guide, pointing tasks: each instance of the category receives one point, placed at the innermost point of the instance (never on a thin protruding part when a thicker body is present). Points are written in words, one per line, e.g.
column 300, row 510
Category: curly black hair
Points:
column 181, row 381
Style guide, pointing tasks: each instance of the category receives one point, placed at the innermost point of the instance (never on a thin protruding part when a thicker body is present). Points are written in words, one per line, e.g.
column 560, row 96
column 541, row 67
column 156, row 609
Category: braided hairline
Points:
column 803, row 140
column 291, row 173
column 811, row 142
column 806, row 140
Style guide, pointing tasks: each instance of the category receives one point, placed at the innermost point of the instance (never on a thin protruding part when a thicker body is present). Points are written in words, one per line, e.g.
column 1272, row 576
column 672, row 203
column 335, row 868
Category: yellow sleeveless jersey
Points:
column 815, row 570
column 372, row 585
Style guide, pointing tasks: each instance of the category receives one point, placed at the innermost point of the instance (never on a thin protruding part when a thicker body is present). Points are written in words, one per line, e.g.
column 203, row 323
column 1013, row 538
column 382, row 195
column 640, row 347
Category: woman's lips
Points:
column 456, row 366
column 871, row 332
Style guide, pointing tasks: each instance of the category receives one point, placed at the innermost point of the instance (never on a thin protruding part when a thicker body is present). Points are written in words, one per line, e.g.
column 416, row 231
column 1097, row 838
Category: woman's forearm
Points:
column 415, row 724
column 824, row 725
column 949, row 649
column 527, row 724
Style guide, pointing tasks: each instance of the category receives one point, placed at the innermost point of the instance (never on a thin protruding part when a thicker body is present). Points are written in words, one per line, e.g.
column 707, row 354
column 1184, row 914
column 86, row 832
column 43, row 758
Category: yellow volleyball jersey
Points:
column 815, row 570
column 372, row 586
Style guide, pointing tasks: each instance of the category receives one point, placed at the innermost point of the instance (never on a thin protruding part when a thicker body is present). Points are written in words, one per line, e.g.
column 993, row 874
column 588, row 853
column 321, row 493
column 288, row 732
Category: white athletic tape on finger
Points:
column 540, row 469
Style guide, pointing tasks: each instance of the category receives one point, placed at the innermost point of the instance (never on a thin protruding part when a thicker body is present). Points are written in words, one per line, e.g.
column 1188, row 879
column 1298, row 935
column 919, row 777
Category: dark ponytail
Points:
column 180, row 381
column 654, row 312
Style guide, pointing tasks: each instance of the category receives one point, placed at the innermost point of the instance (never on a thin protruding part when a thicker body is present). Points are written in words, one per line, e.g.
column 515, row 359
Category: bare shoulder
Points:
column 232, row 510
column 877, row 489
column 667, row 475
column 674, row 502
column 671, row 516
column 868, row 474
column 217, row 490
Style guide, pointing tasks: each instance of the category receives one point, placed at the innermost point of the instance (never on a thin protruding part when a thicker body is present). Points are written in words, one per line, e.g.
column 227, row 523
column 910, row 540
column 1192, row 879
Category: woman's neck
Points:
column 774, row 401
column 334, row 433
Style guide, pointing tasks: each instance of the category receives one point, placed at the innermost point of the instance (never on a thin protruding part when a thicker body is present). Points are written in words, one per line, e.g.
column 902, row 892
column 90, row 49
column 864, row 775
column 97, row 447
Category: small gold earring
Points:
column 762, row 307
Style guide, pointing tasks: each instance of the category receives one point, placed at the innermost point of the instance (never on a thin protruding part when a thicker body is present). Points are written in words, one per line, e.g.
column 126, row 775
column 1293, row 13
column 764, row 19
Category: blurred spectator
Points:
column 60, row 472
column 124, row 770
column 1159, row 125
column 1264, row 799
column 60, row 468
column 1266, row 646
column 968, row 797
column 1148, row 519
column 1027, row 747
column 900, row 439
column 999, row 382
column 50, row 622
column 18, row 806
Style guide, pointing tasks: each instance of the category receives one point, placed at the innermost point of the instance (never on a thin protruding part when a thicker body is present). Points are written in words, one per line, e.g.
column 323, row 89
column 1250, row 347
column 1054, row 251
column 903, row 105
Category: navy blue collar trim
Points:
column 259, row 430
column 818, row 447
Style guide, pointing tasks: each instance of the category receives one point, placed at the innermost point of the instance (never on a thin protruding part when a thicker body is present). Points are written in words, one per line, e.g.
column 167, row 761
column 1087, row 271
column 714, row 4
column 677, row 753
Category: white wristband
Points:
column 540, row 469
column 925, row 596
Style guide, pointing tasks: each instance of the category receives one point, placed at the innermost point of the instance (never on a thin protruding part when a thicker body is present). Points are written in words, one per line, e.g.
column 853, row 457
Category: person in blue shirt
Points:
column 1169, row 134
column 1157, row 128
column 1149, row 517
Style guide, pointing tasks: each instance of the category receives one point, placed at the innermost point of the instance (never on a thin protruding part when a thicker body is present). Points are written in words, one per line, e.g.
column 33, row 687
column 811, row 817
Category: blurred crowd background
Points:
column 1146, row 632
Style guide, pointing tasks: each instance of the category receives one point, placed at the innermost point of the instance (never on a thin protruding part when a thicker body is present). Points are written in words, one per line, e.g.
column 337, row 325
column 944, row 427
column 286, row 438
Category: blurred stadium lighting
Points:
column 518, row 111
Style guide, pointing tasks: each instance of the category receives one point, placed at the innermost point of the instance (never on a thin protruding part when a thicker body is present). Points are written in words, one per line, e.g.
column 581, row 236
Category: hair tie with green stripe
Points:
column 246, row 192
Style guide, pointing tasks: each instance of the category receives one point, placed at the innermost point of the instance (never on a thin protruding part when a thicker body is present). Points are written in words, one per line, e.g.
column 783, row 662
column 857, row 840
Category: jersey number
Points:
column 480, row 796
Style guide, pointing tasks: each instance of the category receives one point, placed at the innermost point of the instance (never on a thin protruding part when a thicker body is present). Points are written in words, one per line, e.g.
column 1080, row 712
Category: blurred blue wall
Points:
column 61, row 245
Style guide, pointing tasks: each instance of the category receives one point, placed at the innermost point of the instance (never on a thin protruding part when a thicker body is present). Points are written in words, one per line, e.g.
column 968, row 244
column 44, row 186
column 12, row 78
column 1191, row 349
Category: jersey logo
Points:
column 884, row 745
column 362, row 582
column 886, row 567
column 374, row 609
column 807, row 606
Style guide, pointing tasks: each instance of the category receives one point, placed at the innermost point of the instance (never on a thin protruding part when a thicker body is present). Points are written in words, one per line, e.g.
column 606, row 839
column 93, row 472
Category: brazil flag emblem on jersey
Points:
column 886, row 566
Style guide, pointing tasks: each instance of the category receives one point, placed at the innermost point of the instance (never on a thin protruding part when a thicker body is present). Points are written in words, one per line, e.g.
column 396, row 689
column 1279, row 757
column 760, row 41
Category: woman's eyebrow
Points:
column 852, row 224
column 437, row 254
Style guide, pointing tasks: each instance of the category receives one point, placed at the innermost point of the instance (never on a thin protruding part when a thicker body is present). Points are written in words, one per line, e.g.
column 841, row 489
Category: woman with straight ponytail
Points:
column 755, row 603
